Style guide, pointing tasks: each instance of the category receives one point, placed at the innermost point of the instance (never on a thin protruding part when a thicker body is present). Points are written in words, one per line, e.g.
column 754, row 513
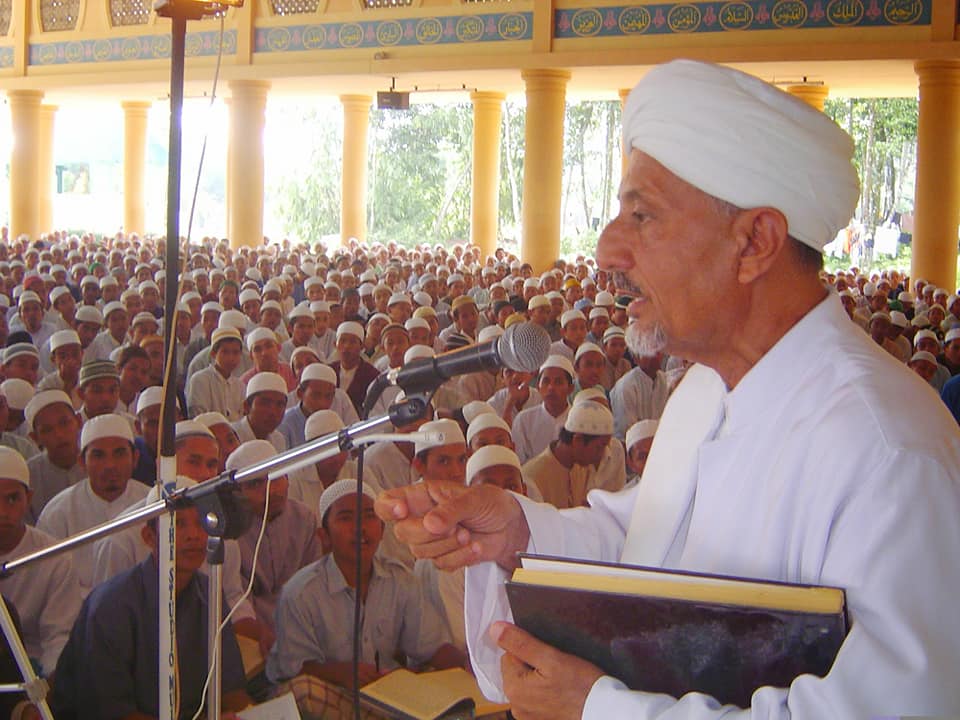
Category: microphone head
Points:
column 524, row 347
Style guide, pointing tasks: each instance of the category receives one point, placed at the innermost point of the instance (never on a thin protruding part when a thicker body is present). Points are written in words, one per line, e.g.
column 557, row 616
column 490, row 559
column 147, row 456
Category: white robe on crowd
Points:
column 819, row 476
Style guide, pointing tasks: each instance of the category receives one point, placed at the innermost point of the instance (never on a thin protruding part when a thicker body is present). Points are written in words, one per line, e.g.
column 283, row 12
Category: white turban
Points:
column 742, row 140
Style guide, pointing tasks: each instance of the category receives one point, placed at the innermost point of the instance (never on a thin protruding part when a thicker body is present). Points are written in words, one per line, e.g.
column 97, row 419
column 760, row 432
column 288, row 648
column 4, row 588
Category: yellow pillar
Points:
column 543, row 166
column 485, row 197
column 937, row 205
column 134, row 165
column 624, row 150
column 353, row 194
column 45, row 168
column 25, row 121
column 245, row 162
column 812, row 95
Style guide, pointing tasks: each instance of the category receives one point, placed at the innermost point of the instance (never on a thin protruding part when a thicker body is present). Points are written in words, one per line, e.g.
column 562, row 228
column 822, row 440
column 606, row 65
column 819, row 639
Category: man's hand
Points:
column 539, row 680
column 456, row 526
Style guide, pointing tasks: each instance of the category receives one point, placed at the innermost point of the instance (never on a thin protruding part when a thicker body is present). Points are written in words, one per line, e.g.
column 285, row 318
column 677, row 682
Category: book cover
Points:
column 448, row 694
column 675, row 639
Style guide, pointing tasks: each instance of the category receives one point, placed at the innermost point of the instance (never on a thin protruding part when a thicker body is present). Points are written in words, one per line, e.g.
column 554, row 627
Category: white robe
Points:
column 46, row 596
column 638, row 397
column 78, row 508
column 535, row 428
column 817, row 476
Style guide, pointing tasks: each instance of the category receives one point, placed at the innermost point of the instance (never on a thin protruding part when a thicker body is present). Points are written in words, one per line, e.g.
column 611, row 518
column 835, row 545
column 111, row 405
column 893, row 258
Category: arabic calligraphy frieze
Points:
column 736, row 15
column 495, row 27
column 137, row 47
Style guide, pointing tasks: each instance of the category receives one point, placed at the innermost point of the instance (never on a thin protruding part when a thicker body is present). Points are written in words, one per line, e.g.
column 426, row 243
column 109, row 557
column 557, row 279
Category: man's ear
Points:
column 761, row 234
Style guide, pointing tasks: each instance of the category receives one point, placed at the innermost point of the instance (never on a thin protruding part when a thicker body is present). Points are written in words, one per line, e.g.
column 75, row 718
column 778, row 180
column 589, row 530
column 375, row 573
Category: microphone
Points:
column 523, row 347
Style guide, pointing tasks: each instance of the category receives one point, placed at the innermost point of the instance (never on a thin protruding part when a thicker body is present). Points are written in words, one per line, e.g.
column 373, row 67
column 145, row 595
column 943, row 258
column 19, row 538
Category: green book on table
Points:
column 673, row 632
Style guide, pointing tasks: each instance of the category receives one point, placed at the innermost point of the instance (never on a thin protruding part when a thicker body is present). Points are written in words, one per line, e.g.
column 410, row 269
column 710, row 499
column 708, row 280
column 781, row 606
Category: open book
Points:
column 676, row 632
column 449, row 694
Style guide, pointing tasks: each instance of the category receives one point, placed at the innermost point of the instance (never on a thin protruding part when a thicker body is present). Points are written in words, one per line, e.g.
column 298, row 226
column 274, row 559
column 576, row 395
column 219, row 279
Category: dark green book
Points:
column 672, row 632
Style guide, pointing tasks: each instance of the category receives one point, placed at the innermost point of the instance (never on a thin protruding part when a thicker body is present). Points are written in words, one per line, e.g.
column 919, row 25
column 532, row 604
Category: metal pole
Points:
column 168, row 700
column 35, row 687
column 214, row 618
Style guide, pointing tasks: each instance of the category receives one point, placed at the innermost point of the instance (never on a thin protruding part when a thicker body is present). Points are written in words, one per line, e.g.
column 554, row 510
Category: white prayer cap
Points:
column 350, row 328
column 144, row 317
column 612, row 332
column 937, row 292
column 559, row 361
column 273, row 285
column 322, row 422
column 210, row 419
column 40, row 401
column 57, row 293
column 473, row 409
column 258, row 335
column 232, row 319
column 925, row 356
column 192, row 428
column 191, row 295
column 423, row 299
column 640, row 430
column 538, row 301
column 150, row 396
column 485, row 421
column 90, row 314
column 153, row 496
column 249, row 296
column 489, row 333
column 554, row 295
column 398, row 298
column 589, row 418
column 108, row 281
column 148, row 285
column 63, row 337
column 490, row 456
column 304, row 350
column 898, row 319
column 591, row 394
column 365, row 289
column 599, row 312
column 531, row 283
column 89, row 280
column 587, row 347
column 571, row 315
column 415, row 352
column 869, row 289
column 105, row 426
column 907, row 297
column 455, row 277
column 250, row 453
column 925, row 335
column 952, row 335
column 311, row 281
column 264, row 381
column 17, row 392
column 271, row 305
column 452, row 434
column 604, row 299
column 13, row 466
column 368, row 276
column 302, row 310
column 318, row 371
column 28, row 296
column 920, row 320
column 732, row 135
column 18, row 349
column 224, row 333
column 416, row 323
column 340, row 489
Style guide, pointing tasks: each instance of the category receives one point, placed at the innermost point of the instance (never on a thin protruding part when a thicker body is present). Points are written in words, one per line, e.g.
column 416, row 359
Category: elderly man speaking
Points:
column 783, row 454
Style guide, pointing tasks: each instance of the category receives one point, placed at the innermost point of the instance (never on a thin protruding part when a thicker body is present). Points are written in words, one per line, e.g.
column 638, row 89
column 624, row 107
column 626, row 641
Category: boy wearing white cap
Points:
column 46, row 594
column 614, row 348
column 108, row 455
column 314, row 615
column 117, row 322
column 308, row 484
column 217, row 388
column 264, row 349
column 573, row 331
column 66, row 354
column 515, row 395
column 638, row 443
column 567, row 469
column 264, row 405
column 55, row 428
column 289, row 539
column 354, row 373
column 317, row 391
column 536, row 427
column 303, row 326
column 14, row 432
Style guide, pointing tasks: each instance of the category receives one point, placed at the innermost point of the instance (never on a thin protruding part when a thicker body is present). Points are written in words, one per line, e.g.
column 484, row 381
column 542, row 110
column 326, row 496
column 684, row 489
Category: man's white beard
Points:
column 645, row 342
